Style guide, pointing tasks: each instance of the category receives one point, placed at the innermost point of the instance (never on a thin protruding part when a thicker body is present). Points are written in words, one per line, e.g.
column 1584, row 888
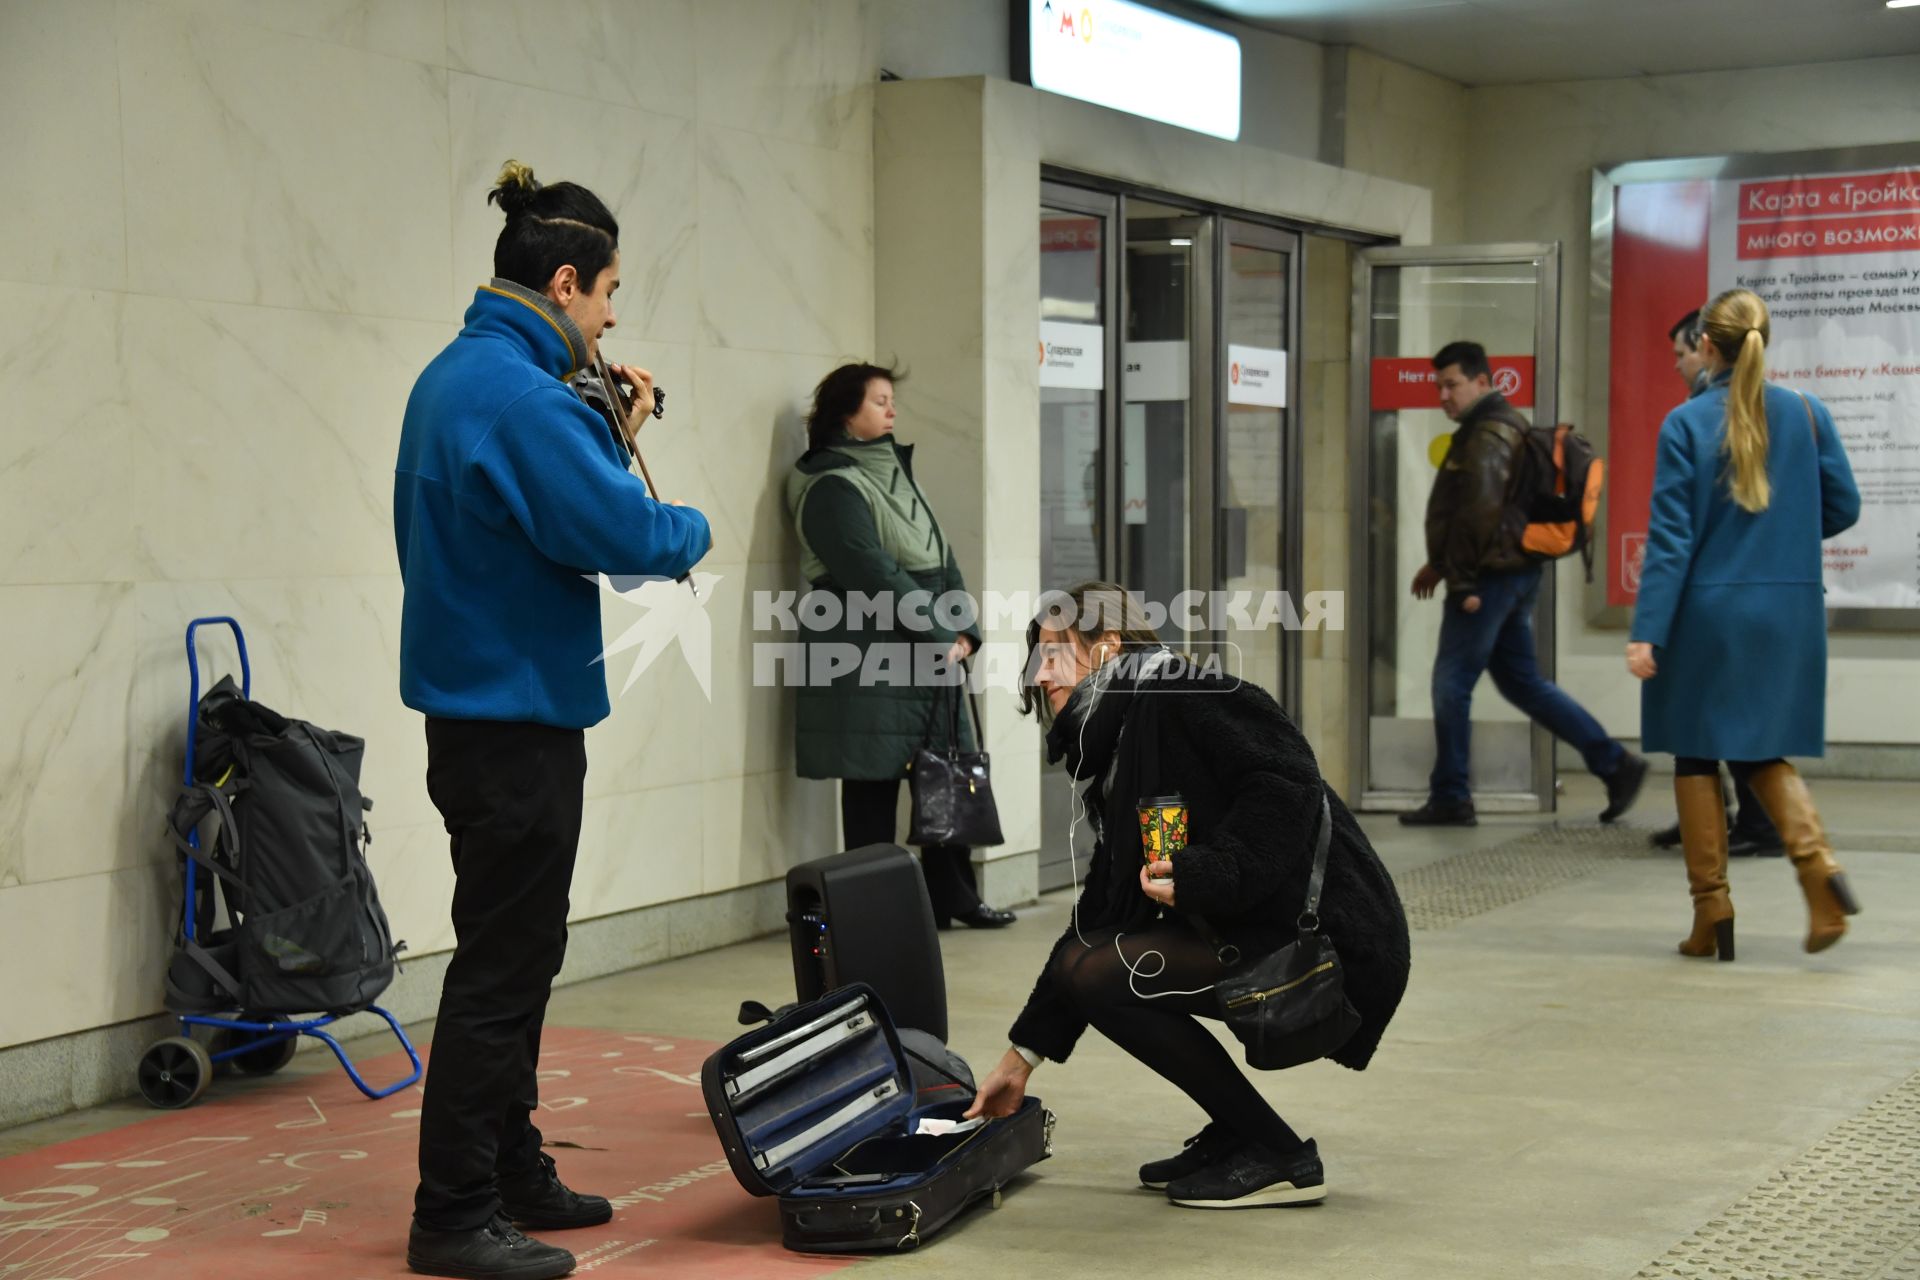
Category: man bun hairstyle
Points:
column 548, row 227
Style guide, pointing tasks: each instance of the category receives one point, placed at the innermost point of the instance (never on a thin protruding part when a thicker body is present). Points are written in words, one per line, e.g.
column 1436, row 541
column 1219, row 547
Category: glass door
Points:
column 1257, row 534
column 1180, row 486
column 1167, row 394
column 1407, row 304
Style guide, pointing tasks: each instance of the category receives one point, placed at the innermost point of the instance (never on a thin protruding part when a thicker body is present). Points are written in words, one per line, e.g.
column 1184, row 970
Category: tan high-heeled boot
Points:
column 1703, row 841
column 1830, row 900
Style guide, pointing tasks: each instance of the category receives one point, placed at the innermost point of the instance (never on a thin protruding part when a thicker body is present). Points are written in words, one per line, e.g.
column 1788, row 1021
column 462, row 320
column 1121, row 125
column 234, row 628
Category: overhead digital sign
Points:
column 1117, row 54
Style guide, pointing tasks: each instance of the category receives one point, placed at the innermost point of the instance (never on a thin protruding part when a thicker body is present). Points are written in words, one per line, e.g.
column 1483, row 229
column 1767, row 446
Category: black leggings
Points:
column 1164, row 1032
column 1742, row 770
column 867, row 816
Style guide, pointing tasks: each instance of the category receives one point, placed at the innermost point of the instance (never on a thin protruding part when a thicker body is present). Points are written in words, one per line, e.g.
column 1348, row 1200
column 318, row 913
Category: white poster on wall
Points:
column 1837, row 258
column 1072, row 355
column 1256, row 375
column 1156, row 370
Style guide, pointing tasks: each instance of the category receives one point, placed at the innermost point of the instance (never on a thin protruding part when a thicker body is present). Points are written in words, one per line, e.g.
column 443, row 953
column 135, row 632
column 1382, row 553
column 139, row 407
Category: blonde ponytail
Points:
column 1747, row 425
column 1737, row 324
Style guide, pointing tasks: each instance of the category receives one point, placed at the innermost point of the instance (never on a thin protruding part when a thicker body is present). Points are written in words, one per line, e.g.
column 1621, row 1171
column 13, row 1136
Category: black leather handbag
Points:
column 952, row 789
column 1291, row 1006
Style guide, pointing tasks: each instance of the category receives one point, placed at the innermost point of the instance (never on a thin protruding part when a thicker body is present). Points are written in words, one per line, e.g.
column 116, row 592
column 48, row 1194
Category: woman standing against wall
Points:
column 866, row 528
column 1730, row 630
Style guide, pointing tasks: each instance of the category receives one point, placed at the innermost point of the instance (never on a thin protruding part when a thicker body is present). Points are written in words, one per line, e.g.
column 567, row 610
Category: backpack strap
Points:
column 215, row 970
column 189, row 811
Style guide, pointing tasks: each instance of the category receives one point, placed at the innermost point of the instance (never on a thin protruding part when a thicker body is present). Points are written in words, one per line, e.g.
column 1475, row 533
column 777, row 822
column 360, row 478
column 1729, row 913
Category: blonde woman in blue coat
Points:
column 1730, row 632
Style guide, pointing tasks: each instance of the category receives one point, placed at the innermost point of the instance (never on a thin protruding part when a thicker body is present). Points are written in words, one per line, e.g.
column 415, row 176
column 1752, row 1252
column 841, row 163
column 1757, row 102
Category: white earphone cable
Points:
column 1134, row 972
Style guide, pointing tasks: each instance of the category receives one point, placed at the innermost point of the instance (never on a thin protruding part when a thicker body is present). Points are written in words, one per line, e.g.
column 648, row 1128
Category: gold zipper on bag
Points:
column 1255, row 997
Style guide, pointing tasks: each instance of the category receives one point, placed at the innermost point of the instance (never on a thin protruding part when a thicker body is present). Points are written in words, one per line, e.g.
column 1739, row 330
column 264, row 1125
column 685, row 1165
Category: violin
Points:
column 630, row 434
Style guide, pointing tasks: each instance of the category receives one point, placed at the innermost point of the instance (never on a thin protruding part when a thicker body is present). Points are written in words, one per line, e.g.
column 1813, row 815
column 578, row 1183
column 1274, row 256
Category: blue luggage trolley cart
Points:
column 175, row 1072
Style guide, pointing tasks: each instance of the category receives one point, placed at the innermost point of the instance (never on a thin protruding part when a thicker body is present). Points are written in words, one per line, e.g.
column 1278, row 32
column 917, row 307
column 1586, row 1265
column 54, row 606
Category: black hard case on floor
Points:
column 818, row 1108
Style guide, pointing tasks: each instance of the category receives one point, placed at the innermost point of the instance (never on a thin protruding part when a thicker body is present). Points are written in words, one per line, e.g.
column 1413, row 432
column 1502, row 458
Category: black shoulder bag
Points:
column 952, row 789
column 1291, row 1006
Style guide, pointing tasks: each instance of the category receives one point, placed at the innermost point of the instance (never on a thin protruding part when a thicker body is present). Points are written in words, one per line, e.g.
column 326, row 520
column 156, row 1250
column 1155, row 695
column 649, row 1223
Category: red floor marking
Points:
column 305, row 1179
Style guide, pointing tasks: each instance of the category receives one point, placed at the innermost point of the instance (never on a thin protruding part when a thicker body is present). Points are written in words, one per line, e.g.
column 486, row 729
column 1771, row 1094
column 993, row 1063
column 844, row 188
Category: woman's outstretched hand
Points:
column 1161, row 891
column 1003, row 1089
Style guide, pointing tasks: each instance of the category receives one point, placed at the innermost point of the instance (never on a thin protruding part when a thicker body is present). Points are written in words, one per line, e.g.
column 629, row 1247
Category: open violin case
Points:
column 819, row 1108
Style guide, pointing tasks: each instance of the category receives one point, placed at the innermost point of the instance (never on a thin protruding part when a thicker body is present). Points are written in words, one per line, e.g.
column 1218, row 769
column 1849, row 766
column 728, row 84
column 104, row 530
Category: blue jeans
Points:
column 1499, row 639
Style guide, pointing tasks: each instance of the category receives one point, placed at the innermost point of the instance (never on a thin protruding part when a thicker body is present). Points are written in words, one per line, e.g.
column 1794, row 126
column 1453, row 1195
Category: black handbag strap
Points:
column 953, row 715
column 1226, row 952
column 1317, row 878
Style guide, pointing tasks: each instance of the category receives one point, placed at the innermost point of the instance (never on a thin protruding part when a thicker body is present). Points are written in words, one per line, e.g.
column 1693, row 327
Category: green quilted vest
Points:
column 900, row 515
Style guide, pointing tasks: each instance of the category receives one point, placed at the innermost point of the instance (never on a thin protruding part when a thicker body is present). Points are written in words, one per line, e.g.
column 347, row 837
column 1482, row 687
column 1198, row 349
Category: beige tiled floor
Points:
column 1560, row 1096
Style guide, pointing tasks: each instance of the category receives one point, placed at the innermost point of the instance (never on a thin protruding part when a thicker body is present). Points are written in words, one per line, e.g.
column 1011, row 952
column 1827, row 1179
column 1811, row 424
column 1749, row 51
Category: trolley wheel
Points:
column 265, row 1060
column 174, row 1072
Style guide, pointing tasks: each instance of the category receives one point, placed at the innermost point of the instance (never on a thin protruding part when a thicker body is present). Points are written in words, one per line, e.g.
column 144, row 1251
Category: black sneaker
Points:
column 1432, row 814
column 1755, row 844
column 1623, row 786
column 484, row 1253
column 1666, row 837
column 1254, row 1177
column 538, row 1199
column 1207, row 1147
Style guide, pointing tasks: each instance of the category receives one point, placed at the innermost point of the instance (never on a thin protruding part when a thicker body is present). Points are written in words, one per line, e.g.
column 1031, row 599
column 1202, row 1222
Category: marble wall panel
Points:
column 414, row 30
column 797, row 72
column 66, row 222
column 67, row 761
column 66, row 466
column 628, row 53
column 265, row 437
column 282, row 171
column 785, row 245
column 86, row 977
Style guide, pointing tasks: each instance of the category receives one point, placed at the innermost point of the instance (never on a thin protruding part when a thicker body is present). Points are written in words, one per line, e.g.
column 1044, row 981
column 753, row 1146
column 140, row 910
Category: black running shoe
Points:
column 1207, row 1147
column 1254, row 1177
column 538, row 1199
column 1764, row 843
column 1623, row 786
column 1432, row 814
column 497, row 1251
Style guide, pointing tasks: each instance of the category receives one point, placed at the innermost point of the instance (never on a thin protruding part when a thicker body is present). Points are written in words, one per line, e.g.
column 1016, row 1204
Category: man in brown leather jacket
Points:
column 1474, row 525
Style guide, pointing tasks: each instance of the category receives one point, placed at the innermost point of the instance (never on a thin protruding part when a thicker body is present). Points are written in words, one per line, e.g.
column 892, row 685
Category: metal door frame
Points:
column 1544, row 257
column 1105, row 206
column 1257, row 235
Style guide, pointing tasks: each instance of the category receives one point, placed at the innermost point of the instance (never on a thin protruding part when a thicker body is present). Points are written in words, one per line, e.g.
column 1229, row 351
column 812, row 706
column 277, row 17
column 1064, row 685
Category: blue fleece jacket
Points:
column 507, row 493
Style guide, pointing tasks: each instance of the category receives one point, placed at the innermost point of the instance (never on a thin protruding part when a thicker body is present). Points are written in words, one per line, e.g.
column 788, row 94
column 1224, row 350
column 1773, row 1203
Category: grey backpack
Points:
column 282, row 831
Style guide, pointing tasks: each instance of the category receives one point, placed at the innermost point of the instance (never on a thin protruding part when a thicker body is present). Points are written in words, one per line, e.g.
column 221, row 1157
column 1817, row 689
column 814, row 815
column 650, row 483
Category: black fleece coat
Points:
column 1253, row 793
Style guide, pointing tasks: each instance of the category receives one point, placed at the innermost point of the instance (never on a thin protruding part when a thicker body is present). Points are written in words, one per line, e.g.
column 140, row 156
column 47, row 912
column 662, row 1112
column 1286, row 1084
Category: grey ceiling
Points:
column 1517, row 41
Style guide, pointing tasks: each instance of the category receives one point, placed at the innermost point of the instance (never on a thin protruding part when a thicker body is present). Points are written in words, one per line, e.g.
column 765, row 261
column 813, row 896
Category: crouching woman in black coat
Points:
column 1131, row 719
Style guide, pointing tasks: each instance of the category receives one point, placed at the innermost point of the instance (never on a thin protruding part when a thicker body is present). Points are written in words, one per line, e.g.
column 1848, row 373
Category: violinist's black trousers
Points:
column 511, row 795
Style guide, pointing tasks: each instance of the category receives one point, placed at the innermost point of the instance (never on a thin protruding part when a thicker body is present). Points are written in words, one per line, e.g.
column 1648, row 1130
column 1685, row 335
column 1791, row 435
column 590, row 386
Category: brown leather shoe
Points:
column 1703, row 842
column 1830, row 900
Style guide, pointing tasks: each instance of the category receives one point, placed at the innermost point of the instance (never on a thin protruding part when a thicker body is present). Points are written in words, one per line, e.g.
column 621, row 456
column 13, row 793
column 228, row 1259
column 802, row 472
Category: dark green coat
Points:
column 851, row 728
